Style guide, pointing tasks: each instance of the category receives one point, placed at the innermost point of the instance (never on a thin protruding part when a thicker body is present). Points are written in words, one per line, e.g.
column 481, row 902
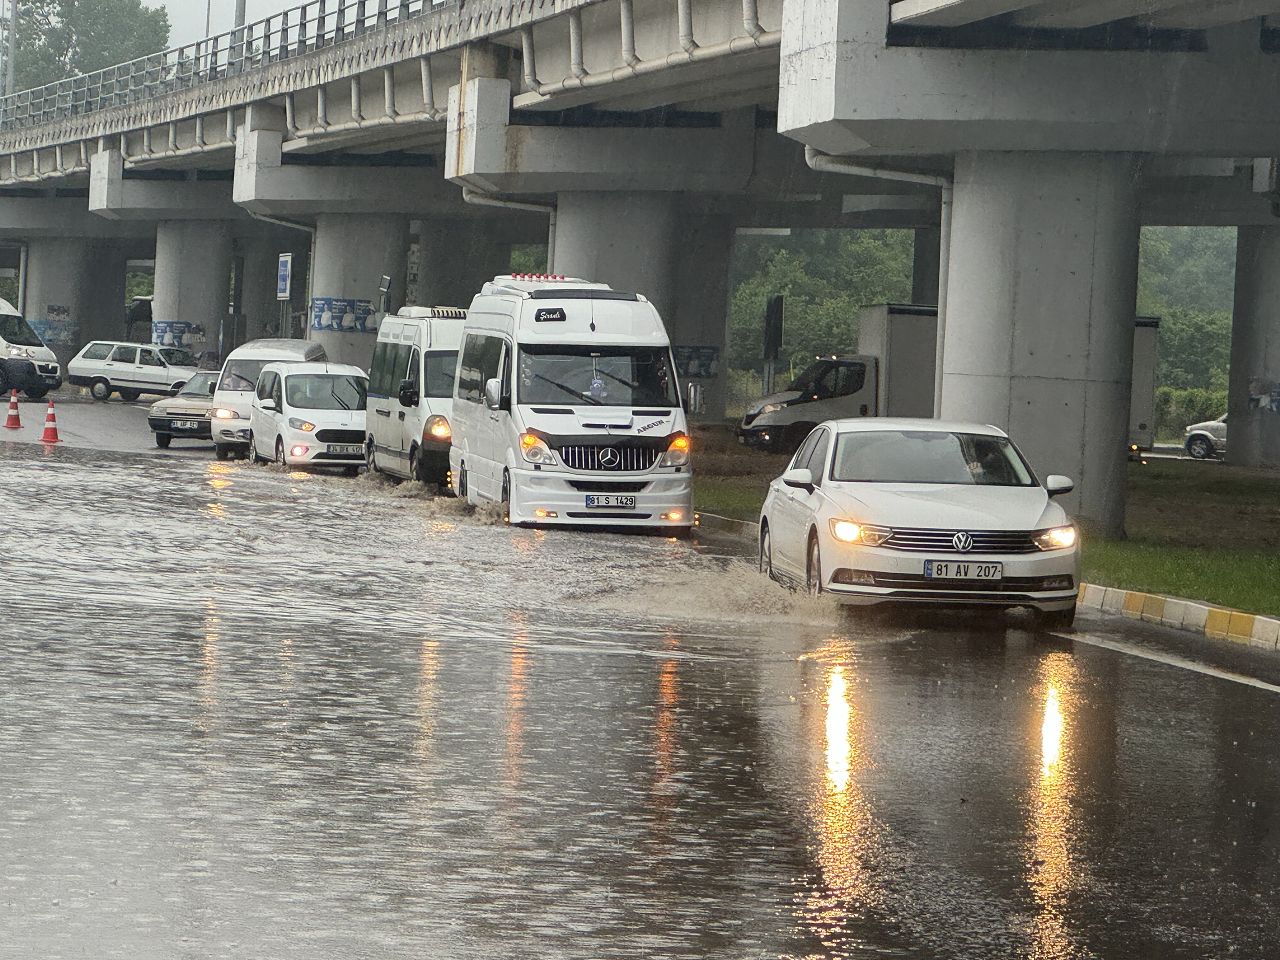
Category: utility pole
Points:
column 11, row 58
column 240, row 13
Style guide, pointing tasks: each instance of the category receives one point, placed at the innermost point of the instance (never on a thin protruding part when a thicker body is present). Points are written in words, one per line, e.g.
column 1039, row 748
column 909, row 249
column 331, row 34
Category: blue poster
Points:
column 177, row 333
column 56, row 327
column 340, row 315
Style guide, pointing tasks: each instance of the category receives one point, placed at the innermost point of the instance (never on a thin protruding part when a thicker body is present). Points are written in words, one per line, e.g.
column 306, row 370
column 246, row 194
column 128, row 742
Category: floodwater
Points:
column 250, row 713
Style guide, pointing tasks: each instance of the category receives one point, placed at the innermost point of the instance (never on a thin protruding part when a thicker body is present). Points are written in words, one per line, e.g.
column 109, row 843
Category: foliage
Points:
column 138, row 285
column 64, row 38
column 1176, row 409
column 529, row 258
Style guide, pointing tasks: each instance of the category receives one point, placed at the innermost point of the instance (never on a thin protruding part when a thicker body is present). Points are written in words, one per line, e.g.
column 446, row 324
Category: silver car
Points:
column 1207, row 440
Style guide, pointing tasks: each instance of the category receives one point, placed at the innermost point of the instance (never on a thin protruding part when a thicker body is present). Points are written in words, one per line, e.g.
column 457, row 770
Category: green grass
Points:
column 1244, row 579
column 738, row 498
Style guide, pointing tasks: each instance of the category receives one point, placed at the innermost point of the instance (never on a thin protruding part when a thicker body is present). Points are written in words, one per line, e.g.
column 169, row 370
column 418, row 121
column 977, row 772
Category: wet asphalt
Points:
column 251, row 713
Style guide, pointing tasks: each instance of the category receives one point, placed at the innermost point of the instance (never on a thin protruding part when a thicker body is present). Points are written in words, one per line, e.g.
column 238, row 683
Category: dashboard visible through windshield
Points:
column 599, row 376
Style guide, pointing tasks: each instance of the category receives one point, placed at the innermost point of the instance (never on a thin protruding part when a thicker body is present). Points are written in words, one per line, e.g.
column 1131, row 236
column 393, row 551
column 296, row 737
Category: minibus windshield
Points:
column 15, row 330
column 325, row 391
column 599, row 376
column 241, row 375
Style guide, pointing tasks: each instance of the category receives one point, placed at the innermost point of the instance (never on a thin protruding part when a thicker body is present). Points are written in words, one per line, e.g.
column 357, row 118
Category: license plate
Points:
column 186, row 424
column 962, row 570
column 346, row 449
column 610, row 502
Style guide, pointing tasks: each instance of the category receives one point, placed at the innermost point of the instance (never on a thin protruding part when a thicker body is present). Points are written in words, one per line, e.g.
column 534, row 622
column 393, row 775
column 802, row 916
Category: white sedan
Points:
column 879, row 510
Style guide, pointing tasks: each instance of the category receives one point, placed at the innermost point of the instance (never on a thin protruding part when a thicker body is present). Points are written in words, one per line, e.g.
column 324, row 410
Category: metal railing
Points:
column 291, row 33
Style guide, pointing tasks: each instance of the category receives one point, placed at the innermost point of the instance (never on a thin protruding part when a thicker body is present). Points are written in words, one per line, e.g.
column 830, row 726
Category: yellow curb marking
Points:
column 1133, row 602
column 1216, row 624
column 1240, row 627
column 1153, row 607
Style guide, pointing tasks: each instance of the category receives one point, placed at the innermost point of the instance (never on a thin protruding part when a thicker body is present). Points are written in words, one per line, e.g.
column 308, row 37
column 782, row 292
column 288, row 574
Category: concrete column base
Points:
column 1042, row 295
column 75, row 292
column 1253, row 421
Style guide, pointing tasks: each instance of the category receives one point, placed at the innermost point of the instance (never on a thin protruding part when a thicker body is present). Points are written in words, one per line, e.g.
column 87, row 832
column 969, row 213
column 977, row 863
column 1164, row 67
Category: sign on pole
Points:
column 284, row 277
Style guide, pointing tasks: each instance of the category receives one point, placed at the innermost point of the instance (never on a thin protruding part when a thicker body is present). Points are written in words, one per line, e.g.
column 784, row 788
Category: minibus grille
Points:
column 603, row 459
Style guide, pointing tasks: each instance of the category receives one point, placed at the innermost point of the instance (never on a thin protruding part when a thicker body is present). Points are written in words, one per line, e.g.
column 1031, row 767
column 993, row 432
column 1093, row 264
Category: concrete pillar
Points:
column 193, row 283
column 74, row 292
column 1042, row 295
column 926, row 265
column 456, row 257
column 701, row 318
column 257, row 259
column 352, row 254
column 1253, row 406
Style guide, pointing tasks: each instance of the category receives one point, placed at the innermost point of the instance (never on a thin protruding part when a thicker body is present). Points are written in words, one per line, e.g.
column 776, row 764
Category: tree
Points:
column 58, row 39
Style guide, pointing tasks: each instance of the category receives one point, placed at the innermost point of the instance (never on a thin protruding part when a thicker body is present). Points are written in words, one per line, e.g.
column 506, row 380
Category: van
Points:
column 130, row 369
column 411, row 384
column 309, row 414
column 26, row 364
column 567, row 408
column 237, row 381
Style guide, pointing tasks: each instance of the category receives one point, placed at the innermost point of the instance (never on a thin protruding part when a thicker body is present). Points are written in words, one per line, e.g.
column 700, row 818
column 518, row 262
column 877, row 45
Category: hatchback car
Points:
column 130, row 369
column 309, row 414
column 1206, row 440
column 185, row 416
column 921, row 511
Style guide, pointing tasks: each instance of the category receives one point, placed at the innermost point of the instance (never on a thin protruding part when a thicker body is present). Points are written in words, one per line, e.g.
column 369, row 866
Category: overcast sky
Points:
column 188, row 16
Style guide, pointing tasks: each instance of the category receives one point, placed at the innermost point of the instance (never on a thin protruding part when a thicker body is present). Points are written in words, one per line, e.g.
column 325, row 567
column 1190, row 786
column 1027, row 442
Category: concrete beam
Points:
column 29, row 217
column 114, row 197
column 1078, row 14
column 1203, row 14
column 952, row 13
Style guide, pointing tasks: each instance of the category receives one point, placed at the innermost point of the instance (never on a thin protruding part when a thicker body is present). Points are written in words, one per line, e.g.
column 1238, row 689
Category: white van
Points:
column 233, row 398
column 26, row 364
column 567, row 408
column 309, row 414
column 411, row 393
column 130, row 369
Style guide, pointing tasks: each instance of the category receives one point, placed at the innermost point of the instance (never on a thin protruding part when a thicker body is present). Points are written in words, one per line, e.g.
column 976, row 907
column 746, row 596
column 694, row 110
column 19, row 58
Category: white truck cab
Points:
column 411, row 383
column 26, row 364
column 830, row 388
column 567, row 409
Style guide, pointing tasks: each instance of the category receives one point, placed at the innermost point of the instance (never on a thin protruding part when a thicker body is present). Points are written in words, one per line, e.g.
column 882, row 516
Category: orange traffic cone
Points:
column 50, row 426
column 13, row 421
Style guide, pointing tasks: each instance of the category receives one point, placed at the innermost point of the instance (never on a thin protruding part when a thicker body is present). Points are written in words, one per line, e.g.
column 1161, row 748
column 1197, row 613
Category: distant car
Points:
column 185, row 416
column 1207, row 440
column 130, row 369
column 876, row 511
column 309, row 414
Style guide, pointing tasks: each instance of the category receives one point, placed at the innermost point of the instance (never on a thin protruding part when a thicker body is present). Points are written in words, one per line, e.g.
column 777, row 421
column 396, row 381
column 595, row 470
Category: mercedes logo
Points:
column 610, row 458
column 963, row 542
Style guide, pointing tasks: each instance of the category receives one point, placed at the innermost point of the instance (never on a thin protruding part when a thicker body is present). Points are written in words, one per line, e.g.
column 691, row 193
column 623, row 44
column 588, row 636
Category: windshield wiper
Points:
column 333, row 393
column 569, row 390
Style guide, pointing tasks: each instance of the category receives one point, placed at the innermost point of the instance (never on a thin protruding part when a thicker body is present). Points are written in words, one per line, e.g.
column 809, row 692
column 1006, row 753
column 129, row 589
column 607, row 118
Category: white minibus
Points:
column 233, row 398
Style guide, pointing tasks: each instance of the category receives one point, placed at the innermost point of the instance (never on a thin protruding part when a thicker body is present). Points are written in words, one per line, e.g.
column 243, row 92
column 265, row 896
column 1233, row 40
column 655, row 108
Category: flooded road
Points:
column 247, row 713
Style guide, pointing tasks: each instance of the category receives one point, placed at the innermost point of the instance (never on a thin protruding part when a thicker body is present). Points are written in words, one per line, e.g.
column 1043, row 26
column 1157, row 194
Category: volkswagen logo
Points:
column 963, row 542
column 610, row 458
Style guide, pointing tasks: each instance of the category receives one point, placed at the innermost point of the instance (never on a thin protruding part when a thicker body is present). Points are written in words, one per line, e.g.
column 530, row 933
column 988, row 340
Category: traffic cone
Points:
column 50, row 426
column 13, row 421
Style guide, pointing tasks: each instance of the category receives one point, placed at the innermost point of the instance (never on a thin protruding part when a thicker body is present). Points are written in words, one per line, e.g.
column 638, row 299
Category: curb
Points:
column 1216, row 623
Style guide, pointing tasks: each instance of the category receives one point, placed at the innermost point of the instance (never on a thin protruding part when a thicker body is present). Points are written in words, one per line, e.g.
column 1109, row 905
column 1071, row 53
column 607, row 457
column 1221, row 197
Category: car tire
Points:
column 221, row 451
column 351, row 471
column 36, row 394
column 1200, row 448
column 100, row 390
column 163, row 440
column 1059, row 620
column 462, row 483
column 128, row 396
column 370, row 457
column 254, row 455
column 813, row 569
column 506, row 496
column 415, row 466
column 766, row 552
column 280, row 457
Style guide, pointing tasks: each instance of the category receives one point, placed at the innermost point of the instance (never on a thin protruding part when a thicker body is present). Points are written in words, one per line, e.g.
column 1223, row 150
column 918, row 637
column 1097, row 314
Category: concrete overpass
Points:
column 634, row 137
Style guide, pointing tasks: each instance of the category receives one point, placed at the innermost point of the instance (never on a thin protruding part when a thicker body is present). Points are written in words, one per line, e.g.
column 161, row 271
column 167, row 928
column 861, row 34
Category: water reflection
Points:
column 663, row 789
column 839, row 748
column 517, row 697
column 428, row 671
column 210, row 663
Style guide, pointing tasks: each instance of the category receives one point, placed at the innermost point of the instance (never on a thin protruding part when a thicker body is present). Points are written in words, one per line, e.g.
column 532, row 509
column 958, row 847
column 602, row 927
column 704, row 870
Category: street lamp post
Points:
column 11, row 57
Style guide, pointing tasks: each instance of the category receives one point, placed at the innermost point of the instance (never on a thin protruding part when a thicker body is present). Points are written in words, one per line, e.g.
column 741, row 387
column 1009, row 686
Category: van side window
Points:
column 481, row 362
column 801, row 459
column 400, row 364
column 124, row 354
column 818, row 457
column 149, row 358
column 96, row 351
column 264, row 385
column 378, row 369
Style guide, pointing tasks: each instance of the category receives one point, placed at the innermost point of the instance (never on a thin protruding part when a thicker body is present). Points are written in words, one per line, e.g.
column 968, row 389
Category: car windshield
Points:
column 241, row 375
column 441, row 369
column 911, row 456
column 198, row 386
column 809, row 376
column 176, row 357
column 15, row 330
column 325, row 391
column 600, row 376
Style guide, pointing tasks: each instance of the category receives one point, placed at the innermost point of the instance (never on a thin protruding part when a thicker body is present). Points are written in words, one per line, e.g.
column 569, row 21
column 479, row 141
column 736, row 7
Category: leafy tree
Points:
column 64, row 38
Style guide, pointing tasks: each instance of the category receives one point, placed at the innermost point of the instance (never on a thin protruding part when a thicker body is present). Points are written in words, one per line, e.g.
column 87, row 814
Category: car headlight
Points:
column 1059, row 538
column 869, row 535
column 534, row 449
column 438, row 428
column 306, row 426
column 222, row 413
column 677, row 454
column 769, row 408
column 20, row 352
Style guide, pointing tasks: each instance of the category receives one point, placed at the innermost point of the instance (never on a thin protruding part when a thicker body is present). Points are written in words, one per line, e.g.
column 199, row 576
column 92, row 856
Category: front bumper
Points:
column 760, row 437
column 659, row 496
column 202, row 430
column 229, row 433
column 1045, row 581
column 318, row 454
column 27, row 375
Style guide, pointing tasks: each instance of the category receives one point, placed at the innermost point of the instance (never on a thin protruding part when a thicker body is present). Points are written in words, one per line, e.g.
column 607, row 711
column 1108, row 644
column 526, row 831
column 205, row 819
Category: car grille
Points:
column 608, row 486
column 916, row 581
column 340, row 436
column 940, row 541
column 584, row 457
column 49, row 369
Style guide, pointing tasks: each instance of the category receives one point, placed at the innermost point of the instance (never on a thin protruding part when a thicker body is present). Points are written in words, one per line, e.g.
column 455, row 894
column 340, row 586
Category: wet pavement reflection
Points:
column 255, row 713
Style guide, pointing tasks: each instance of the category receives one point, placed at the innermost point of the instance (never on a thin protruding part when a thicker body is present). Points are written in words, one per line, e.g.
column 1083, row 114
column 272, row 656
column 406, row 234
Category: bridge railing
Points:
column 281, row 36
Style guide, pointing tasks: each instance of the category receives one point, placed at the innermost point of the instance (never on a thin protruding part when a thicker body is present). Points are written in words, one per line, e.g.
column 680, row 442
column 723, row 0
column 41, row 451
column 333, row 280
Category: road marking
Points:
column 1170, row 660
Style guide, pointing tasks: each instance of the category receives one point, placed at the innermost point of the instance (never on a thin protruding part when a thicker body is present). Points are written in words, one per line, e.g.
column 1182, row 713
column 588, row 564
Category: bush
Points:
column 1178, row 409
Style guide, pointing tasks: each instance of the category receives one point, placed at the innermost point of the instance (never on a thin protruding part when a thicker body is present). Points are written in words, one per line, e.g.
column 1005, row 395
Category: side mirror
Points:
column 801, row 478
column 213, row 387
column 1058, row 485
column 408, row 393
column 493, row 393
column 268, row 404
column 697, row 404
